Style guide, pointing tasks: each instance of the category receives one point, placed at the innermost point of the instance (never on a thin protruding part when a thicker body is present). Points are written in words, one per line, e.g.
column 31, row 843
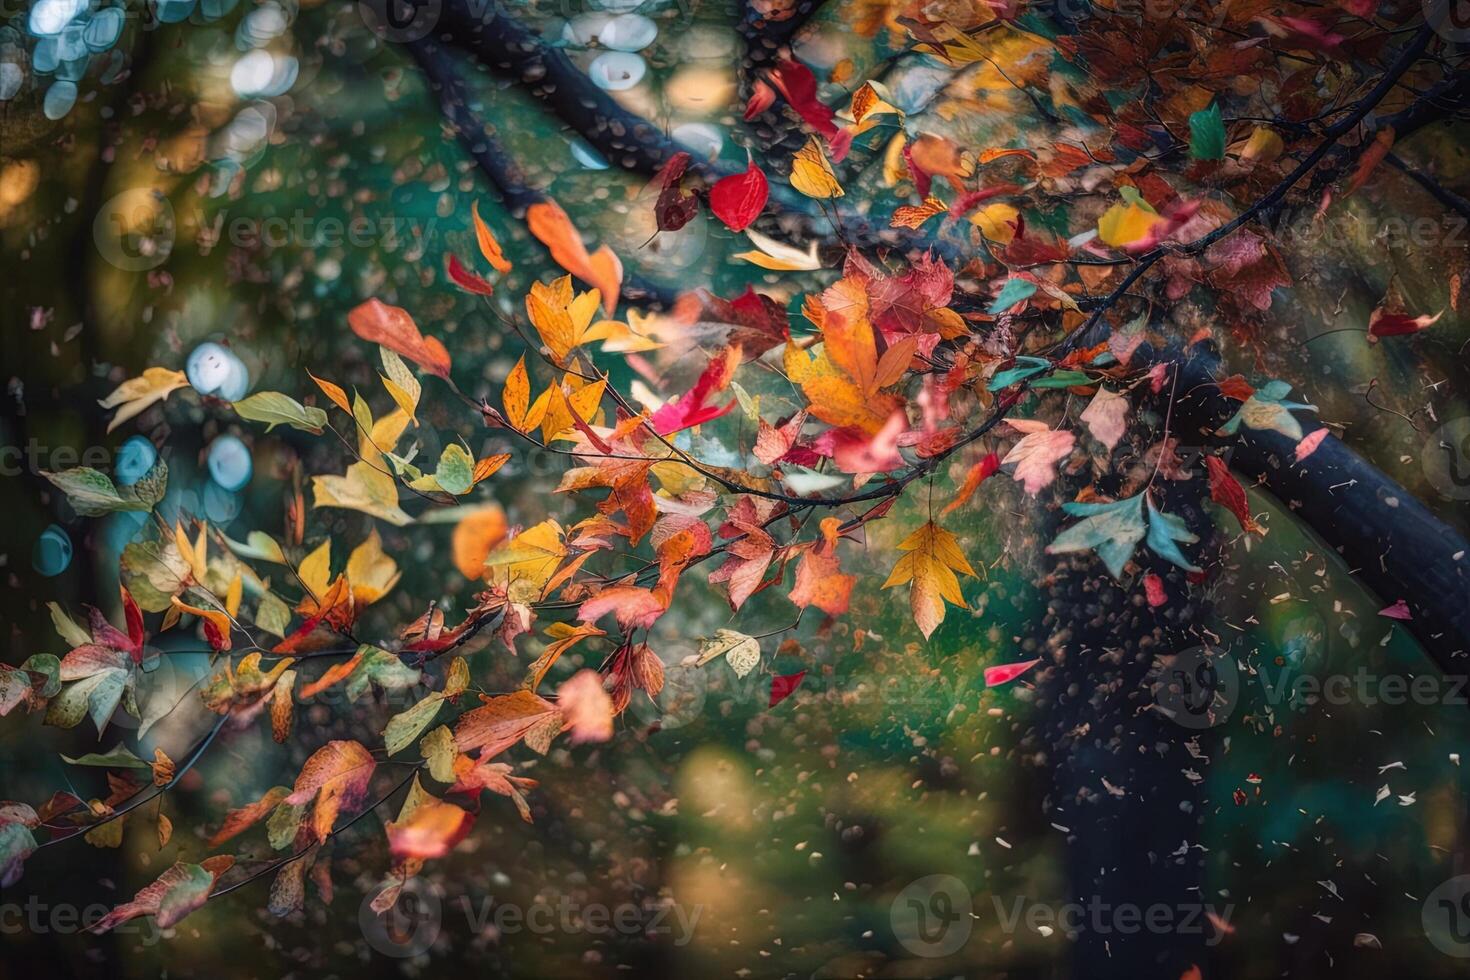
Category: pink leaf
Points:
column 1005, row 673
column 1399, row 610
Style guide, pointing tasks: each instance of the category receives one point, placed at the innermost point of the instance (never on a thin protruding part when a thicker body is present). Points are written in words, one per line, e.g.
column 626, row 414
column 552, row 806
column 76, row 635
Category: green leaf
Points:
column 438, row 750
column 382, row 668
column 1112, row 530
column 282, row 824
column 1207, row 134
column 274, row 408
column 117, row 757
column 455, row 473
column 92, row 494
column 1163, row 531
column 96, row 696
column 273, row 615
column 1062, row 379
column 1010, row 294
column 1027, row 366
column 406, row 726
column 48, row 665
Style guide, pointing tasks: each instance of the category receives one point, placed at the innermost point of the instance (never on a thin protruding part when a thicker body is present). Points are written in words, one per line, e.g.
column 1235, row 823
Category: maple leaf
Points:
column 1267, row 408
column 1106, row 417
column 933, row 557
column 1036, row 455
column 560, row 317
column 1112, row 529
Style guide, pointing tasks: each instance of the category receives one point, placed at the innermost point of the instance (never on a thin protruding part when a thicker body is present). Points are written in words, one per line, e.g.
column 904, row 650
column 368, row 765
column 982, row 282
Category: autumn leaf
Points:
column 586, row 709
column 430, row 831
column 1111, row 529
column 974, row 476
column 1005, row 673
column 738, row 199
column 561, row 318
column 177, row 892
column 932, row 558
column 464, row 278
column 489, row 247
column 1106, row 417
column 393, row 327
column 779, row 257
column 811, row 172
column 134, row 395
column 601, row 269
column 783, row 686
column 337, row 775
column 474, row 536
column 1036, row 455
column 741, row 652
column 501, row 722
column 911, row 216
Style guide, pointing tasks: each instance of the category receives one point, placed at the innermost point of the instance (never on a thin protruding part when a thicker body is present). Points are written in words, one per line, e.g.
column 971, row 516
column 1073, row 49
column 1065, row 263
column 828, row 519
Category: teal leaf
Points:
column 1207, row 134
column 1026, row 367
column 1164, row 530
column 1010, row 294
column 1112, row 530
column 1268, row 409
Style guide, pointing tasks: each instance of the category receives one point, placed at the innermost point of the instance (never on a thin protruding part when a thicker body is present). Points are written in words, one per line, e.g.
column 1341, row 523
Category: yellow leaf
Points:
column 370, row 571
column 933, row 557
column 136, row 394
column 996, row 222
column 1264, row 145
column 1125, row 223
column 560, row 318
column 602, row 270
column 487, row 467
column 778, row 256
column 526, row 562
column 516, row 396
column 367, row 486
column 811, row 172
column 489, row 247
column 401, row 383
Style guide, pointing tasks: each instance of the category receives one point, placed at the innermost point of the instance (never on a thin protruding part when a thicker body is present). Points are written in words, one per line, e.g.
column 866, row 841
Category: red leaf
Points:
column 1226, row 491
column 762, row 97
column 783, row 686
column 134, row 618
column 1153, row 588
column 464, row 278
column 739, row 198
column 1382, row 324
column 1005, row 673
column 692, row 407
column 675, row 207
column 798, row 86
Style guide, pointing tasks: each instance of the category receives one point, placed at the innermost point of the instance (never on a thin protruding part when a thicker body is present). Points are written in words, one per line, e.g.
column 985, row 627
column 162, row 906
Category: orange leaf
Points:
column 332, row 391
column 489, row 247
column 336, row 775
column 473, row 538
column 551, row 226
column 393, row 327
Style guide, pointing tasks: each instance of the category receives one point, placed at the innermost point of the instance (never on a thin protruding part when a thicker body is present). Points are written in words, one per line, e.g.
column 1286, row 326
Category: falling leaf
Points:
column 1112, row 529
column 1384, row 324
column 1399, row 610
column 1207, row 134
column 783, row 686
column 177, row 892
column 586, row 708
column 1309, row 443
column 1165, row 531
column 464, row 278
column 1005, row 673
column 741, row 652
column 932, row 559
column 561, row 318
column 489, row 247
column 393, row 327
column 974, row 476
column 1226, row 491
column 601, row 269
column 476, row 534
column 134, row 395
